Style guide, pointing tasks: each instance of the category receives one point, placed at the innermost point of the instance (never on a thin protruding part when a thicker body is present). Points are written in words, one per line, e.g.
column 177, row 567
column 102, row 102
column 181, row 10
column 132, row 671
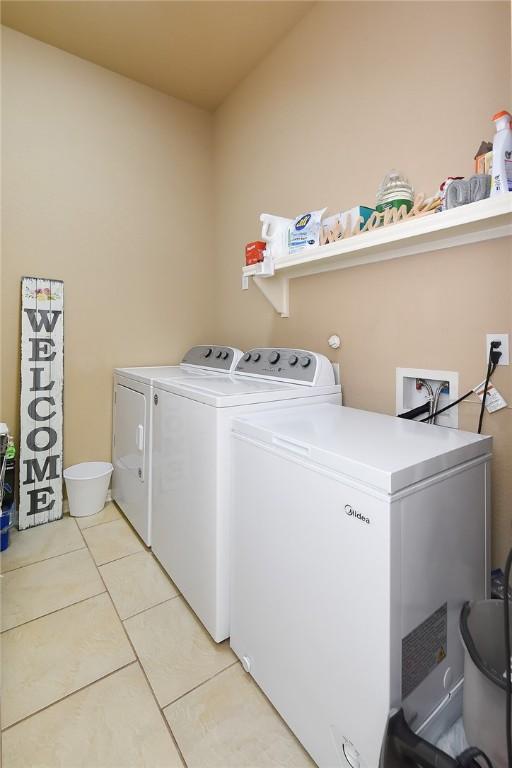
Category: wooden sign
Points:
column 42, row 378
column 377, row 220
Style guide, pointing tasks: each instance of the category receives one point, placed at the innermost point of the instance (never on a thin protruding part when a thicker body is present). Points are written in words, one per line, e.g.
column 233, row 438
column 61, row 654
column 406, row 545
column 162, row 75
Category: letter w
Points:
column 44, row 320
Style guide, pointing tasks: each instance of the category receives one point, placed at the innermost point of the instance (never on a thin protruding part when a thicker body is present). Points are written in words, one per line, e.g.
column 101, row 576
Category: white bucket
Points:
column 87, row 486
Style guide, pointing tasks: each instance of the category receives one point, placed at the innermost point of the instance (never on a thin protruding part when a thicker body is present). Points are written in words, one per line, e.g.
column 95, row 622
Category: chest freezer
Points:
column 357, row 537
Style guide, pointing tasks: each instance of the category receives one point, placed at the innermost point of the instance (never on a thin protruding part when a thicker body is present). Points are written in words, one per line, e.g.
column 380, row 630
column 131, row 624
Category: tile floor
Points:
column 105, row 665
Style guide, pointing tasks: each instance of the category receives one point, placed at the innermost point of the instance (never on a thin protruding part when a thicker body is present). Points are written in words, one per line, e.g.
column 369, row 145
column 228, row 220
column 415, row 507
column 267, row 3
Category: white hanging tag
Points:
column 494, row 401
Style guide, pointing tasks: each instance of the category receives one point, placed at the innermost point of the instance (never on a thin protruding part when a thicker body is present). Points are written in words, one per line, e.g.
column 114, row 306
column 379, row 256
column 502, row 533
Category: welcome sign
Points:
column 42, row 379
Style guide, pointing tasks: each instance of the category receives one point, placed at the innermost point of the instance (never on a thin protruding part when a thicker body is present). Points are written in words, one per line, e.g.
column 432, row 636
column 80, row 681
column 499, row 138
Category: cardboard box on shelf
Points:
column 254, row 252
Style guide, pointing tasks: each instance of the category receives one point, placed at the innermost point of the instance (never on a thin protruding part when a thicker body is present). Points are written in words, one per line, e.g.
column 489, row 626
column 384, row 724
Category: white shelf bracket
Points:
column 276, row 290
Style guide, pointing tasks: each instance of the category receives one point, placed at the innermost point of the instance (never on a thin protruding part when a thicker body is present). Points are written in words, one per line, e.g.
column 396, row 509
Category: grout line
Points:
column 43, row 560
column 103, row 522
column 68, row 695
column 173, row 738
column 145, row 610
column 51, row 557
column 115, row 559
column 123, row 517
column 162, row 715
column 199, row 685
column 50, row 613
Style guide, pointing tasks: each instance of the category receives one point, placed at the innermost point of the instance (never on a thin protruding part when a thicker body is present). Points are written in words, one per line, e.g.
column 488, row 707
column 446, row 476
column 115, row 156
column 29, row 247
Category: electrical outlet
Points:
column 503, row 337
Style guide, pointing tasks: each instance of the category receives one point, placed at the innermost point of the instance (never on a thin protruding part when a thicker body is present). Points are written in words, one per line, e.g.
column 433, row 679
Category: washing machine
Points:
column 192, row 464
column 357, row 538
column 132, row 423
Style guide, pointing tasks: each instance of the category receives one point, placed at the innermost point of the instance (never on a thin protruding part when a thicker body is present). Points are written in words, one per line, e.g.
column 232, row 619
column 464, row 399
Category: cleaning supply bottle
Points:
column 501, row 180
column 7, row 485
column 394, row 192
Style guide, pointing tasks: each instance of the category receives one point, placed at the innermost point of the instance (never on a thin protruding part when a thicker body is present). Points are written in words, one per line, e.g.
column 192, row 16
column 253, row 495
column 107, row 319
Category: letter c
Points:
column 32, row 408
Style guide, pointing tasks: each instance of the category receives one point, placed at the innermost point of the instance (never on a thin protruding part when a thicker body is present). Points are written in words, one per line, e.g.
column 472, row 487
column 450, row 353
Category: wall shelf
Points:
column 473, row 223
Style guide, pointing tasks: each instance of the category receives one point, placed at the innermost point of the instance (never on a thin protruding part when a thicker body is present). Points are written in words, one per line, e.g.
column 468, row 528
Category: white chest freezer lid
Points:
column 382, row 451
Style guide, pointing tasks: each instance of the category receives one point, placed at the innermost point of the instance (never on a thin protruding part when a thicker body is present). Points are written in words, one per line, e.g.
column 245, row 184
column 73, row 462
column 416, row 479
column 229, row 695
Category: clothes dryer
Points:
column 132, row 424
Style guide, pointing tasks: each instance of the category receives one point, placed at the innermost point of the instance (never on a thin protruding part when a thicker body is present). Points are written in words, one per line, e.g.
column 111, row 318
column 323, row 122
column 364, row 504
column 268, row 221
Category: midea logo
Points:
column 351, row 512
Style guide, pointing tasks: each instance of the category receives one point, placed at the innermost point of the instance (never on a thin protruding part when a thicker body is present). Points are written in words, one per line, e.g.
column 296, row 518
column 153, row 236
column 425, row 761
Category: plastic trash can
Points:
column 484, row 696
column 87, row 486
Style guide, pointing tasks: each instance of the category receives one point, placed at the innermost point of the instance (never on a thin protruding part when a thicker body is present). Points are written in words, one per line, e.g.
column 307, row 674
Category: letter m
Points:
column 44, row 319
column 34, row 470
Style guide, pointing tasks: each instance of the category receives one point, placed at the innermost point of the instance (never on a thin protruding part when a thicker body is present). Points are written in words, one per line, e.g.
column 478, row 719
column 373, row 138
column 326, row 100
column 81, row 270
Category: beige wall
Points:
column 107, row 185
column 355, row 89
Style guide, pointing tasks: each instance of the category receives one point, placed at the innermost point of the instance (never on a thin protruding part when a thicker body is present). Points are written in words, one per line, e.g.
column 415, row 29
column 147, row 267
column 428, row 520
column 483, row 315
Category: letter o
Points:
column 31, row 439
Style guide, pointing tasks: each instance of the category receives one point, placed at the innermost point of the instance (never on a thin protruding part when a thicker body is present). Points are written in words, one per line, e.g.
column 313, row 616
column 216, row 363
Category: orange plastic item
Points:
column 501, row 114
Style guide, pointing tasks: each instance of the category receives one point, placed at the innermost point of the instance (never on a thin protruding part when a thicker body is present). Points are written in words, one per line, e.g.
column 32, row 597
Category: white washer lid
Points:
column 385, row 452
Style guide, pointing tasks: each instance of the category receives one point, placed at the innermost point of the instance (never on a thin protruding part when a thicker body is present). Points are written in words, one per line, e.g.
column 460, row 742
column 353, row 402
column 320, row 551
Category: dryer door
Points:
column 129, row 457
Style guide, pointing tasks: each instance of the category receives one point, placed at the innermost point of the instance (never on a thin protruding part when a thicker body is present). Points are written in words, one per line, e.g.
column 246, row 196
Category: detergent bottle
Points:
column 501, row 180
column 274, row 233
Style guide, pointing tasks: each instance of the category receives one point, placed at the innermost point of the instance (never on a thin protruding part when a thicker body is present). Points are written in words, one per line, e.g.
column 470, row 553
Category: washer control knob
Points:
column 208, row 352
column 224, row 354
column 247, row 357
column 305, row 361
column 218, row 355
column 256, row 357
column 274, row 357
column 293, row 360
